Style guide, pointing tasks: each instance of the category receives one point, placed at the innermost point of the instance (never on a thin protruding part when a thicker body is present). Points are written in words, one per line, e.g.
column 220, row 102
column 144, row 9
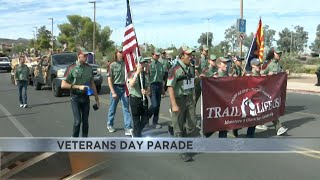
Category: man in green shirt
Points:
column 237, row 67
column 271, row 67
column 200, row 65
column 166, row 66
column 139, row 88
column 211, row 69
column 181, row 90
column 79, row 79
column 156, row 73
column 116, row 82
column 22, row 81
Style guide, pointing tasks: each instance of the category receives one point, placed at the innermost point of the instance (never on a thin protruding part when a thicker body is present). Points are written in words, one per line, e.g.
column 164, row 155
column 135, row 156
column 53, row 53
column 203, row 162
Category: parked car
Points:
column 5, row 64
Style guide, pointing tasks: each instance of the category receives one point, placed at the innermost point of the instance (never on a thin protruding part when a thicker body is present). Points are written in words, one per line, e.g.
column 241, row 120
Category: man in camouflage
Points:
column 181, row 88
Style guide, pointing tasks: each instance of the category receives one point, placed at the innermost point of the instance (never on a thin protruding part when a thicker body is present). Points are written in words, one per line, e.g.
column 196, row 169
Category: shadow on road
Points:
column 293, row 109
column 104, row 90
column 50, row 103
column 292, row 124
column 21, row 114
column 8, row 90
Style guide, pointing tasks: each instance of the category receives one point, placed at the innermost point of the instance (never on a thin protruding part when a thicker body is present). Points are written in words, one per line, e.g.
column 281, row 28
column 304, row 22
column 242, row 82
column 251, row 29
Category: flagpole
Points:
column 248, row 54
column 136, row 52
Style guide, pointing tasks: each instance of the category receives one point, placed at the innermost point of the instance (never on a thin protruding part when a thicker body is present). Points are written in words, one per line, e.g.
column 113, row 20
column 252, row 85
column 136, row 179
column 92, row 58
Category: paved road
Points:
column 51, row 117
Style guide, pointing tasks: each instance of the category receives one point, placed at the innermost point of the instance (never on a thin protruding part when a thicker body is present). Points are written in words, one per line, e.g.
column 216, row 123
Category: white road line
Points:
column 15, row 122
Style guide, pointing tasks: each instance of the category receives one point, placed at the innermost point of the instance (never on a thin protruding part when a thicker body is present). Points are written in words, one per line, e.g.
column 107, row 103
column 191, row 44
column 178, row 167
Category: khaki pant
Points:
column 184, row 120
column 277, row 124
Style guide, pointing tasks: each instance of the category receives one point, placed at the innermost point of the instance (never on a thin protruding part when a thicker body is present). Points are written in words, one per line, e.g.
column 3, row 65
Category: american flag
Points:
column 130, row 45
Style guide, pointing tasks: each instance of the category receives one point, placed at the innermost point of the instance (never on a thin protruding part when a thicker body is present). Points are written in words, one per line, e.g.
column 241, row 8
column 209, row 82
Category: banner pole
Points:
column 201, row 114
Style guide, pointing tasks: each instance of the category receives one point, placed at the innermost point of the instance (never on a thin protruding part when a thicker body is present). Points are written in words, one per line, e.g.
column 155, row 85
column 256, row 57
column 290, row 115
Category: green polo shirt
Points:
column 255, row 73
column 222, row 73
column 117, row 72
column 79, row 74
column 165, row 64
column 156, row 72
column 178, row 85
column 209, row 71
column 272, row 66
column 136, row 89
column 22, row 72
column 203, row 63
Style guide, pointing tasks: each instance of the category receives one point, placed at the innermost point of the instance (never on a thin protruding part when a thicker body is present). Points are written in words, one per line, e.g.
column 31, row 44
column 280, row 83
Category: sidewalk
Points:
column 303, row 83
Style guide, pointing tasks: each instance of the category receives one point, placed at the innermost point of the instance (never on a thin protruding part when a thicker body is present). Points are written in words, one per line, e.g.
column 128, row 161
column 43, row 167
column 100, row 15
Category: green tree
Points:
column 231, row 36
column 268, row 36
column 248, row 40
column 300, row 39
column 79, row 31
column 43, row 38
column 284, row 41
column 19, row 48
column 203, row 39
column 315, row 46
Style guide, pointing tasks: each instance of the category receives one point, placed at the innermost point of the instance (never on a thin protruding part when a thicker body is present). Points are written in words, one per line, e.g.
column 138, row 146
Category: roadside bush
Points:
column 313, row 60
column 291, row 64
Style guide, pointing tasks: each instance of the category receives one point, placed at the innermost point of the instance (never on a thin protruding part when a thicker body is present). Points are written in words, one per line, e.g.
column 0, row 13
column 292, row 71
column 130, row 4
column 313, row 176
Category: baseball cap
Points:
column 255, row 61
column 212, row 57
column 156, row 52
column 204, row 47
column 82, row 51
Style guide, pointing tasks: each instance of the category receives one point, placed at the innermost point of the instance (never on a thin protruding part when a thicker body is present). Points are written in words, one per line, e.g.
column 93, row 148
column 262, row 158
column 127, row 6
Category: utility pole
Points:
column 241, row 16
column 94, row 27
column 52, row 38
column 36, row 32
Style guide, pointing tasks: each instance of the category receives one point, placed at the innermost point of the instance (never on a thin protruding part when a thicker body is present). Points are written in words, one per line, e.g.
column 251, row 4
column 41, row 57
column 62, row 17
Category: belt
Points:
column 119, row 85
column 156, row 83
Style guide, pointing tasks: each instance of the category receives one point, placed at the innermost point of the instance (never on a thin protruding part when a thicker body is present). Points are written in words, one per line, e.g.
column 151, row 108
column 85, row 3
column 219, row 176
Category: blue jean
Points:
column 23, row 85
column 80, row 108
column 156, row 90
column 120, row 91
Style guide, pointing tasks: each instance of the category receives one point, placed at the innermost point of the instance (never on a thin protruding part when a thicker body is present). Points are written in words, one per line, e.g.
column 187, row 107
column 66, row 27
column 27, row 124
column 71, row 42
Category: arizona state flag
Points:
column 257, row 47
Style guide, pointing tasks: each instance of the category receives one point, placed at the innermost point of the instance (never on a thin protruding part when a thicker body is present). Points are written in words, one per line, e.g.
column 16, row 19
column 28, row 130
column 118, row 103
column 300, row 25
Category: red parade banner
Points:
column 236, row 102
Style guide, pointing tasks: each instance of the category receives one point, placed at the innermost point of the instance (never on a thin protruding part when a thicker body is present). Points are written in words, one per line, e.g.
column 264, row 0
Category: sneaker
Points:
column 128, row 132
column 21, row 105
column 262, row 127
column 186, row 157
column 111, row 129
column 158, row 126
column 25, row 105
column 281, row 130
column 170, row 130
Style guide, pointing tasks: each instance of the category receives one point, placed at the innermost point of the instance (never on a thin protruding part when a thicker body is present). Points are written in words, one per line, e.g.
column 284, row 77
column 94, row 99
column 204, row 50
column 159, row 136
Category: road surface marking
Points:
column 15, row 122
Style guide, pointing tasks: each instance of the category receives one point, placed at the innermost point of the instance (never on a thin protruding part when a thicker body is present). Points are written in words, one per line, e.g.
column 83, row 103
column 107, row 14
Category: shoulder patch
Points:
column 69, row 68
column 173, row 71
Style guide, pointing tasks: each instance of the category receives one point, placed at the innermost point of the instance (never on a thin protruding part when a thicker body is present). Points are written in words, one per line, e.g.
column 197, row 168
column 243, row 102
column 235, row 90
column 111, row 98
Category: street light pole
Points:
column 94, row 27
column 52, row 32
column 291, row 42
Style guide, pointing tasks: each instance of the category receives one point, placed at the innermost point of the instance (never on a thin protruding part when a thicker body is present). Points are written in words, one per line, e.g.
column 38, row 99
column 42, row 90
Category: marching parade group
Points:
column 150, row 80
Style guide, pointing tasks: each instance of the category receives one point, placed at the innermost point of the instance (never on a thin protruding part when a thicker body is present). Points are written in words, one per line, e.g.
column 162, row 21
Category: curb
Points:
column 300, row 91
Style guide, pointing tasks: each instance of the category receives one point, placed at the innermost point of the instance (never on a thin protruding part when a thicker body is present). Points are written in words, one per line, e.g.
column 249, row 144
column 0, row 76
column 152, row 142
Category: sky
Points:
column 160, row 22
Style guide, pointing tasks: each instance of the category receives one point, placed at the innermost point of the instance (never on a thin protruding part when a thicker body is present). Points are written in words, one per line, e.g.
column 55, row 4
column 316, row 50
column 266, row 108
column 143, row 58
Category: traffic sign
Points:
column 241, row 36
column 241, row 25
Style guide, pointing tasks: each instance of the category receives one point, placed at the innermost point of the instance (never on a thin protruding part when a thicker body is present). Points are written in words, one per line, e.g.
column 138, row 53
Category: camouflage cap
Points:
column 212, row 57
column 119, row 48
column 186, row 50
column 223, row 59
column 156, row 52
column 82, row 51
column 142, row 59
column 204, row 47
column 277, row 50
column 255, row 61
